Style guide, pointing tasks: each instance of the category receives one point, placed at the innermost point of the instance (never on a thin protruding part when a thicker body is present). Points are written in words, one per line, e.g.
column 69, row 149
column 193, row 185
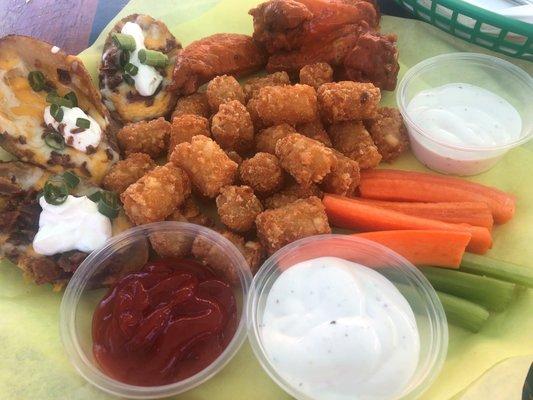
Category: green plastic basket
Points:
column 476, row 25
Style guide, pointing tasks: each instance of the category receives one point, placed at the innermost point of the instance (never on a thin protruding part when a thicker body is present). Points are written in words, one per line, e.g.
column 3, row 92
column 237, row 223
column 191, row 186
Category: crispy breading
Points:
column 281, row 226
column 316, row 74
column 353, row 140
column 184, row 127
column 156, row 195
column 307, row 160
column 265, row 140
column 127, row 171
column 388, row 133
column 252, row 86
column 208, row 166
column 290, row 194
column 237, row 207
column 347, row 101
column 293, row 104
column 222, row 89
column 149, row 137
column 195, row 104
column 263, row 173
column 232, row 127
column 314, row 130
column 344, row 179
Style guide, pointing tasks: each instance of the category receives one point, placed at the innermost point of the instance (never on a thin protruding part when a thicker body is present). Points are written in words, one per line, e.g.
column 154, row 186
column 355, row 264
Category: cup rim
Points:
column 77, row 284
column 515, row 71
column 439, row 327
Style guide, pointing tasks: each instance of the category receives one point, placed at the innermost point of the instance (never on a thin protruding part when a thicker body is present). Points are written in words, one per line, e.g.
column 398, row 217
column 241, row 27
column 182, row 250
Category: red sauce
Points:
column 164, row 323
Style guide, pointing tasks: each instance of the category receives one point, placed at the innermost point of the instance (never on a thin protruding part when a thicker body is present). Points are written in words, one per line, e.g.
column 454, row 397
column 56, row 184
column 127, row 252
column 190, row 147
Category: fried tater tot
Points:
column 149, row 137
column 353, row 140
column 263, row 173
column 127, row 171
column 273, row 105
column 195, row 104
column 208, row 166
column 185, row 127
column 307, row 160
column 344, row 179
column 315, row 130
column 347, row 101
column 281, row 226
column 316, row 74
column 237, row 207
column 172, row 243
column 232, row 127
column 388, row 133
column 156, row 195
column 265, row 140
column 222, row 89
column 252, row 86
column 190, row 212
column 290, row 194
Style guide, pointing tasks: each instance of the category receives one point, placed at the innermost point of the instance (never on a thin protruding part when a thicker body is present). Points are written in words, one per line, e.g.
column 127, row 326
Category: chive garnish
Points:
column 108, row 204
column 57, row 112
column 71, row 96
column 37, row 81
column 123, row 41
column 54, row 98
column 71, row 179
column 128, row 79
column 124, row 58
column 55, row 190
column 153, row 58
column 131, row 69
column 55, row 141
column 83, row 123
column 95, row 196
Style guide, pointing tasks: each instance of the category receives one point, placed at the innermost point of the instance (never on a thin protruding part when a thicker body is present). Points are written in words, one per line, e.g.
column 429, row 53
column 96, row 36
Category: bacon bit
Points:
column 70, row 140
column 84, row 169
column 77, row 130
column 60, row 159
column 22, row 140
column 61, row 128
column 63, row 76
column 109, row 154
column 90, row 150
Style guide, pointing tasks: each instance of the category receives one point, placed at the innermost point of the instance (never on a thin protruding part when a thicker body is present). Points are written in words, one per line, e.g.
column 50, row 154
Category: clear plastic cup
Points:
column 128, row 252
column 429, row 314
column 491, row 73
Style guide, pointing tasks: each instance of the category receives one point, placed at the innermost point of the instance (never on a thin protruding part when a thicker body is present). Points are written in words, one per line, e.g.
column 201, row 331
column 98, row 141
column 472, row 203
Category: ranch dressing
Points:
column 338, row 330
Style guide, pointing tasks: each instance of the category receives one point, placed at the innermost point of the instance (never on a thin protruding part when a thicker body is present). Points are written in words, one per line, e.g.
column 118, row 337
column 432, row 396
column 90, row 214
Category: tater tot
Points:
column 344, row 179
column 127, row 171
column 307, row 160
column 156, row 195
column 273, row 105
column 353, row 140
column 263, row 173
column 208, row 166
column 149, row 137
column 316, row 74
column 172, row 243
column 315, row 130
column 388, row 133
column 195, row 104
column 232, row 127
column 222, row 89
column 290, row 194
column 190, row 212
column 237, row 207
column 281, row 226
column 265, row 140
column 347, row 101
column 252, row 86
column 184, row 127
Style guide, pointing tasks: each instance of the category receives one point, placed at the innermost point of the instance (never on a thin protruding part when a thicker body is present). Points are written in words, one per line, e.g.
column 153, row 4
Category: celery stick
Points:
column 462, row 312
column 505, row 271
column 488, row 292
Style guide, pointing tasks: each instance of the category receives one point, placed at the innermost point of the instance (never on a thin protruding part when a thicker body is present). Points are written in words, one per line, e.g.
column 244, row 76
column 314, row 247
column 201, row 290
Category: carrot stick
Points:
column 389, row 184
column 472, row 213
column 424, row 247
column 346, row 213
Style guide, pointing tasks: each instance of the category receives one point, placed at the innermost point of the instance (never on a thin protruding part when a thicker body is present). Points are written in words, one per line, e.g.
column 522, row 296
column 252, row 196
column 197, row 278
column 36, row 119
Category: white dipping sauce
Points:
column 335, row 329
column 74, row 225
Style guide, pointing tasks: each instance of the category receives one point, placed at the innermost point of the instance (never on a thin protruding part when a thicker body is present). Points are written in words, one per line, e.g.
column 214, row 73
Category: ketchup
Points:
column 164, row 323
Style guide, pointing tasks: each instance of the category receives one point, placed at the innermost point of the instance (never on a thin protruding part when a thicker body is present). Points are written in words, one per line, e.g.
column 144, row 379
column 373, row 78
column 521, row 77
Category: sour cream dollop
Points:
column 74, row 225
column 147, row 79
column 336, row 330
column 79, row 140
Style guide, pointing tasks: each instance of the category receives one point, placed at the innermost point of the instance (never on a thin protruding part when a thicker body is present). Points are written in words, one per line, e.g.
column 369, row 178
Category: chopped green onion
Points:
column 108, row 204
column 83, row 123
column 55, row 141
column 57, row 112
column 71, row 179
column 505, row 271
column 55, row 190
column 95, row 196
column 131, row 69
column 71, row 96
column 124, row 58
column 37, row 81
column 128, row 79
column 462, row 312
column 153, row 58
column 54, row 98
column 123, row 41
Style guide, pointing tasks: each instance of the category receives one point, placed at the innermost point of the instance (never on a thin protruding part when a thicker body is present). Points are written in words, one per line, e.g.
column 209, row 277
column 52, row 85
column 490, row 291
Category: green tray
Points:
column 476, row 25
